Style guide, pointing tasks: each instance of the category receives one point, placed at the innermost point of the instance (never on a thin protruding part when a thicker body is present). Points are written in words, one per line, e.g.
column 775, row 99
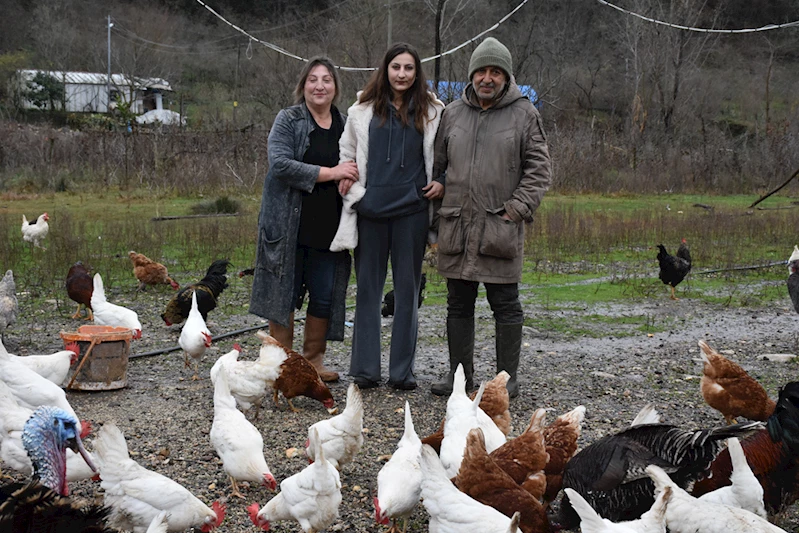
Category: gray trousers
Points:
column 404, row 239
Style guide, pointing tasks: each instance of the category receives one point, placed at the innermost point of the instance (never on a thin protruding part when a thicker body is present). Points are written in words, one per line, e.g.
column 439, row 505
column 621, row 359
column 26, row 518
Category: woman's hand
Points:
column 344, row 186
column 347, row 170
column 433, row 190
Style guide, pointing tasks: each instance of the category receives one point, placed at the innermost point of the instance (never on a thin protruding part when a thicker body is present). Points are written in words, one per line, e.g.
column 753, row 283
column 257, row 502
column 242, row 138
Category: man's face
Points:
column 488, row 83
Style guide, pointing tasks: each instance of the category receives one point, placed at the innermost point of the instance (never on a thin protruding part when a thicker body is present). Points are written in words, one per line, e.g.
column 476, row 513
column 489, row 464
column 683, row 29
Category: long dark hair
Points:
column 378, row 90
column 299, row 90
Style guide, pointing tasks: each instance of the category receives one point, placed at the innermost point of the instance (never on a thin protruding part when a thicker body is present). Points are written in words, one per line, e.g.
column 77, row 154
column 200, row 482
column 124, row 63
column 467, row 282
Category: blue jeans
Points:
column 314, row 272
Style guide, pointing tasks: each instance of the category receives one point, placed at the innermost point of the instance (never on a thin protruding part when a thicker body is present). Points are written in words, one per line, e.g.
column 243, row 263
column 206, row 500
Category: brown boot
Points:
column 313, row 349
column 282, row 334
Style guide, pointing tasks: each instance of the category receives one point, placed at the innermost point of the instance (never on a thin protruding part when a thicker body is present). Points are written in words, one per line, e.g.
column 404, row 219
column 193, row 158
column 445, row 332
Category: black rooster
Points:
column 610, row 473
column 208, row 290
column 673, row 269
column 388, row 299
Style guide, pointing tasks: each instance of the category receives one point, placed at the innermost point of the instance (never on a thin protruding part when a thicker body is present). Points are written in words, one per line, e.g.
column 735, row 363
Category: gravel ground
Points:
column 166, row 417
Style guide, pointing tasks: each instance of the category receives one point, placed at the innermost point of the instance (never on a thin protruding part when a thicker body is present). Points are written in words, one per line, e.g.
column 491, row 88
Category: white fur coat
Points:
column 354, row 146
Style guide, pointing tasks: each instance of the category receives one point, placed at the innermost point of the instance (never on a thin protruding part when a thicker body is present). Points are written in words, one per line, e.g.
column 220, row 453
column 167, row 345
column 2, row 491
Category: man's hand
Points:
column 433, row 190
column 506, row 217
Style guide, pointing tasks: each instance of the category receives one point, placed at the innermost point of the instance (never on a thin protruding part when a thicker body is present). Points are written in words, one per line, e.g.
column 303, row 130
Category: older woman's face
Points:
column 320, row 87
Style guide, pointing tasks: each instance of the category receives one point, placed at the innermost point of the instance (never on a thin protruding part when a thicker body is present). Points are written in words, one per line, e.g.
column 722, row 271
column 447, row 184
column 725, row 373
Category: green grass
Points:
column 582, row 251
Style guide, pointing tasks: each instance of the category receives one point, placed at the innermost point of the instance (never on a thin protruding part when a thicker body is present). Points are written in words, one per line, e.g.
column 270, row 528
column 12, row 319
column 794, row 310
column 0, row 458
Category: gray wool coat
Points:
column 279, row 222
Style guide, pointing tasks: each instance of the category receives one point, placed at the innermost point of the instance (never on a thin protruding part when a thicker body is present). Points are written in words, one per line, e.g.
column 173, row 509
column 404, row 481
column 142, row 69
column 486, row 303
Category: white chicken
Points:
column 463, row 415
column 137, row 495
column 342, row 435
column 29, row 388
column 686, row 514
column 237, row 442
column 652, row 521
column 746, row 492
column 248, row 380
column 311, row 497
column 12, row 422
column 194, row 337
column 159, row 524
column 108, row 314
column 9, row 306
column 399, row 482
column 55, row 366
column 35, row 232
column 452, row 511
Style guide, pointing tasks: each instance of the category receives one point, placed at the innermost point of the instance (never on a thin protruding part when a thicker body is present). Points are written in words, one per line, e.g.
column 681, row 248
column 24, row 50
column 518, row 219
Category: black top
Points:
column 321, row 208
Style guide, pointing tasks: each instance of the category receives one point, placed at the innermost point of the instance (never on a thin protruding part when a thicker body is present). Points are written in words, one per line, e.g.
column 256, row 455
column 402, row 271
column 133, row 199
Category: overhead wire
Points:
column 285, row 52
column 768, row 27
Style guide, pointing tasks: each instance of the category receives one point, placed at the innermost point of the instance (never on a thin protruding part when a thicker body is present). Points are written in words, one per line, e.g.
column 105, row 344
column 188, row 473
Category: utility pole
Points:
column 108, row 80
column 236, row 82
column 389, row 25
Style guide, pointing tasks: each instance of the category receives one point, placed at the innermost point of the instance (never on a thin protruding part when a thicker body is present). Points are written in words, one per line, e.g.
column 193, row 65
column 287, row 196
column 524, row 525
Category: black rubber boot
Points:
column 509, row 348
column 460, row 339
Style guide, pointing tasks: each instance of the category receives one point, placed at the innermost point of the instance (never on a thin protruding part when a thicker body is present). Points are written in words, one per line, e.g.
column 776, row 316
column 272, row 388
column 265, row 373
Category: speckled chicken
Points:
column 609, row 473
column 730, row 390
column 525, row 457
column 482, row 478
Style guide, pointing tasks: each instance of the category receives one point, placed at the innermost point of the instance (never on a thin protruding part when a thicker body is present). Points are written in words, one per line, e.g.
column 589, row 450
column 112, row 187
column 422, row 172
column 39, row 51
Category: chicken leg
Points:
column 196, row 376
column 672, row 293
column 235, row 487
column 77, row 312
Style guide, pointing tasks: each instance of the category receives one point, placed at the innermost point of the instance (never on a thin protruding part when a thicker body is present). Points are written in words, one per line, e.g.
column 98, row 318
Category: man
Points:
column 491, row 153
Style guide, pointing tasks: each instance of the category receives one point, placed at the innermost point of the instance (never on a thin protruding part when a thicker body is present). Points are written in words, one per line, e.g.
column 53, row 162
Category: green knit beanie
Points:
column 491, row 53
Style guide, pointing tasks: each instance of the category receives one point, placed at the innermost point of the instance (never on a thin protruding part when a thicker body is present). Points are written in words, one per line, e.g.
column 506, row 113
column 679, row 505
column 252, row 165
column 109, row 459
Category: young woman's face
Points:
column 320, row 88
column 401, row 73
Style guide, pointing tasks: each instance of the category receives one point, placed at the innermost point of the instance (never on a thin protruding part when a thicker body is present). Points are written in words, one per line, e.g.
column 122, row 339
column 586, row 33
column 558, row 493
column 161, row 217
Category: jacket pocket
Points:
column 500, row 237
column 271, row 252
column 450, row 231
column 384, row 201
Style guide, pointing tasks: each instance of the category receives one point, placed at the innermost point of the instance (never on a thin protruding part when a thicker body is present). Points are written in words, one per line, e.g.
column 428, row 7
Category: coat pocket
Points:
column 500, row 237
column 450, row 231
column 271, row 253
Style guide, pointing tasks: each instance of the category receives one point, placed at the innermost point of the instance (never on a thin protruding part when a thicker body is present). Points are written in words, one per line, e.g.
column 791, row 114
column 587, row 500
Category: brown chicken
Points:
column 561, row 439
column 148, row 272
column 494, row 403
column 79, row 289
column 727, row 388
column 525, row 457
column 297, row 377
column 481, row 478
column 772, row 454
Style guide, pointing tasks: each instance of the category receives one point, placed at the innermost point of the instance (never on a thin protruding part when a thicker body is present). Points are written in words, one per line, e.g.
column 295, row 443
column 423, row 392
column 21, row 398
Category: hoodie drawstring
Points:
column 390, row 127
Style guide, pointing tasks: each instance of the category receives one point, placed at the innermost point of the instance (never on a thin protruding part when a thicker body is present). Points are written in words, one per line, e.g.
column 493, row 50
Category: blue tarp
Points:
column 451, row 90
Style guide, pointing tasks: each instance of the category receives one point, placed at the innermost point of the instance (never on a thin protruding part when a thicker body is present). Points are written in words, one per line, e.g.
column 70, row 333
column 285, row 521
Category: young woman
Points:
column 300, row 210
column 390, row 134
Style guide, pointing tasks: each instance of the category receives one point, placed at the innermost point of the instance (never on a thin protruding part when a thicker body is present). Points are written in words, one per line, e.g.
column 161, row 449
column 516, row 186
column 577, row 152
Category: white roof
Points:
column 95, row 78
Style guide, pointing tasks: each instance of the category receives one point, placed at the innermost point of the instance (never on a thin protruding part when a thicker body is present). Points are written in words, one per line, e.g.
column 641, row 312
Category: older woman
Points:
column 300, row 212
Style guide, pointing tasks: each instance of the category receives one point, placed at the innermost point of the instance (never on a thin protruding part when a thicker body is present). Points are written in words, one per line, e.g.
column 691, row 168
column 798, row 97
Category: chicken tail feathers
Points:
column 110, row 446
column 354, row 401
column 216, row 277
column 588, row 516
column 783, row 425
column 99, row 290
